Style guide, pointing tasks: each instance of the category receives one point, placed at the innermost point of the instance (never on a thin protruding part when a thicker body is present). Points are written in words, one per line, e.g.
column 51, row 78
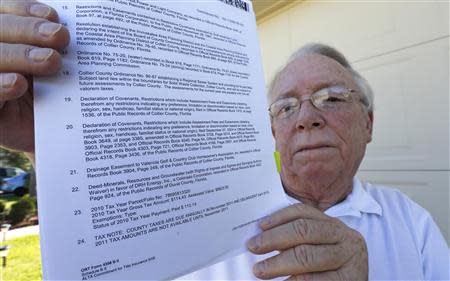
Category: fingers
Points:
column 358, row 270
column 33, row 31
column 299, row 231
column 28, row 8
column 25, row 24
column 12, row 86
column 301, row 259
column 312, row 245
column 290, row 213
column 320, row 276
column 27, row 59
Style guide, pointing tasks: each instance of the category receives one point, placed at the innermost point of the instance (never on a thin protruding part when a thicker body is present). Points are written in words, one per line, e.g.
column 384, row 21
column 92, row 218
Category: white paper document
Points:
column 153, row 144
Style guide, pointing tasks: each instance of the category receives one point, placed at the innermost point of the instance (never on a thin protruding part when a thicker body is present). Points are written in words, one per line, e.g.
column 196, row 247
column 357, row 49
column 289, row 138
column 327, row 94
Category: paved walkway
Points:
column 23, row 231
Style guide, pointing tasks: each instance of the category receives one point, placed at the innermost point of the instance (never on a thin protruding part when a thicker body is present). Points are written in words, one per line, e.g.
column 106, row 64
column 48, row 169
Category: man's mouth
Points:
column 313, row 147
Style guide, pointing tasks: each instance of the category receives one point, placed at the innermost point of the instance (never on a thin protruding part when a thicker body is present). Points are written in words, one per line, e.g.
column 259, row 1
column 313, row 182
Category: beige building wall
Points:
column 402, row 48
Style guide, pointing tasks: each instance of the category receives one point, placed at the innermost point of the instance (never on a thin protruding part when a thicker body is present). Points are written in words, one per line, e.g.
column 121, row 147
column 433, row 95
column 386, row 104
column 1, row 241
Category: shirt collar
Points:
column 357, row 202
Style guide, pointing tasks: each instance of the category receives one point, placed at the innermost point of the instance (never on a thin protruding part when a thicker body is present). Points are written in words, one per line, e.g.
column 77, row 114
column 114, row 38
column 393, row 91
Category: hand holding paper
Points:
column 29, row 39
column 311, row 244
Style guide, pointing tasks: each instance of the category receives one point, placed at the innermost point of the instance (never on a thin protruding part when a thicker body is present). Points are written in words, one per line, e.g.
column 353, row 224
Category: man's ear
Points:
column 273, row 131
column 369, row 126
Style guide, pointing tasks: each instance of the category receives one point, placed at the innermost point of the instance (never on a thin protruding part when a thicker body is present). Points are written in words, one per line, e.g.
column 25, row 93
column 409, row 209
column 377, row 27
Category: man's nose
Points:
column 309, row 117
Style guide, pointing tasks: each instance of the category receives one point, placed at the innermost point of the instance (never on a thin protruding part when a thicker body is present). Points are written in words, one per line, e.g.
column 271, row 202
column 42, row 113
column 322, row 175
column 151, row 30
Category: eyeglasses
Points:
column 334, row 98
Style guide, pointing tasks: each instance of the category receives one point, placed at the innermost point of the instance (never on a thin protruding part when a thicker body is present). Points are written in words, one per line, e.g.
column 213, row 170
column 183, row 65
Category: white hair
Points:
column 325, row 50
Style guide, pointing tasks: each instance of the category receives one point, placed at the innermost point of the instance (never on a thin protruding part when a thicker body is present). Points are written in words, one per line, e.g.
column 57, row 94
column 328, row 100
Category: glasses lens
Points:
column 284, row 107
column 331, row 98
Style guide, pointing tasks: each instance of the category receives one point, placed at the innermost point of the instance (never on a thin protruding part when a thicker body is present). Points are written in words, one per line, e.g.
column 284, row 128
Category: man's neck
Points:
column 323, row 200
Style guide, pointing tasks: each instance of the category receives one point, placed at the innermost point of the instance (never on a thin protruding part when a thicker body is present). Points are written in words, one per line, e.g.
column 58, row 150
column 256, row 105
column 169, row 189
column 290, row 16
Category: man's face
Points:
column 320, row 150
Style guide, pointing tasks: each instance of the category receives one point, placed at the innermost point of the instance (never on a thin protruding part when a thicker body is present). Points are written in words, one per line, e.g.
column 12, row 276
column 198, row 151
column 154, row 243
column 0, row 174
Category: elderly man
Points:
column 322, row 120
column 337, row 228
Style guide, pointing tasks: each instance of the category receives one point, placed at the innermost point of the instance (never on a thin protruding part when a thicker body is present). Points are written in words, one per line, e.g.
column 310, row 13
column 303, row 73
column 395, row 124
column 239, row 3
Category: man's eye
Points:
column 334, row 99
column 285, row 109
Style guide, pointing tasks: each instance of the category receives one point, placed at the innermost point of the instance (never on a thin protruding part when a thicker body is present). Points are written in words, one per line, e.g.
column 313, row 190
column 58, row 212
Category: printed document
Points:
column 153, row 143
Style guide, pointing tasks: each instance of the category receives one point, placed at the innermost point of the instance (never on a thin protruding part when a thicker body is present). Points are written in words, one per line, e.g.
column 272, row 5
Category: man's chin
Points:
column 316, row 171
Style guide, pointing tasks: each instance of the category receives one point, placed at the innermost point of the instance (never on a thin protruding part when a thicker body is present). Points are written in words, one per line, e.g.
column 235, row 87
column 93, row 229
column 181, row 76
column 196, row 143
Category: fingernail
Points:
column 265, row 222
column 258, row 269
column 254, row 243
column 40, row 10
column 40, row 54
column 8, row 80
column 49, row 28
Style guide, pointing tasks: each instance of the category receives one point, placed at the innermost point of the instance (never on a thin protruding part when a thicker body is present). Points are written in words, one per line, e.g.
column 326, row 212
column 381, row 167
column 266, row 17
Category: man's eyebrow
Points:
column 319, row 86
column 326, row 84
column 287, row 94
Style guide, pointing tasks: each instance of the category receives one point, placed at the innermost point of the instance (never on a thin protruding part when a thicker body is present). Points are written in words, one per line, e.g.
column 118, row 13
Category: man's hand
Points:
column 30, row 36
column 312, row 245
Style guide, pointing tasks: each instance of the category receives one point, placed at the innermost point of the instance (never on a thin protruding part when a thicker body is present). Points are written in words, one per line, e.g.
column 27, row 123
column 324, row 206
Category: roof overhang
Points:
column 265, row 8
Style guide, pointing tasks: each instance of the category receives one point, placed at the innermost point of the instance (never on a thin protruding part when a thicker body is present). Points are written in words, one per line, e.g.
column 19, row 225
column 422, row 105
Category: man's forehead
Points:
column 311, row 72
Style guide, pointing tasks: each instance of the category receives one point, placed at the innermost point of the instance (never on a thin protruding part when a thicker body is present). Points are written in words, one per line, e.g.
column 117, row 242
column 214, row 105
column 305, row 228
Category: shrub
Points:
column 2, row 207
column 22, row 209
column 34, row 200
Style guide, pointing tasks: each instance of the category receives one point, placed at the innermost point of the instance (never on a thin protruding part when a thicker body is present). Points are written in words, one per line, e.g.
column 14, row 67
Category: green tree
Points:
column 14, row 159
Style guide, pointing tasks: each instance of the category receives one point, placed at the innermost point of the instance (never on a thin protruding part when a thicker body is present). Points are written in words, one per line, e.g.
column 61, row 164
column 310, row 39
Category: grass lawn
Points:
column 24, row 260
